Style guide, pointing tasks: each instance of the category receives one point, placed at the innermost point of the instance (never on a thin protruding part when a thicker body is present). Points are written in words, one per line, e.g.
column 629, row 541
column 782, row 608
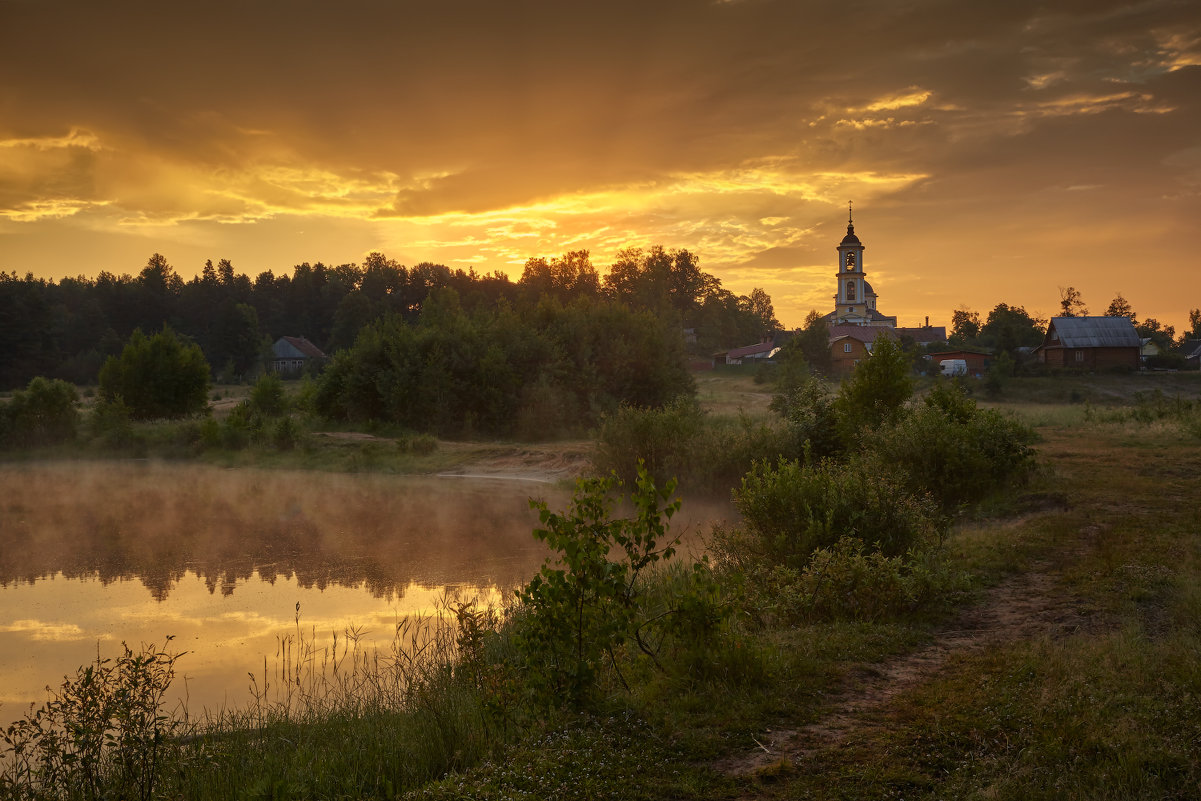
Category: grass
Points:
column 1096, row 701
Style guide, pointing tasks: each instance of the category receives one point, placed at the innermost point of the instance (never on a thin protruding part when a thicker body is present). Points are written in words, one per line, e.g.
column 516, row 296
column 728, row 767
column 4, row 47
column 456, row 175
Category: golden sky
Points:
column 994, row 151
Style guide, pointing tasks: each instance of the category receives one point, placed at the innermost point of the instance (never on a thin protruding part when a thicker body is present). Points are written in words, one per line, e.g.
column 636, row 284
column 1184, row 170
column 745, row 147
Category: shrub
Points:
column 158, row 376
column 44, row 413
column 104, row 734
column 812, row 420
column 661, row 440
column 575, row 615
column 285, row 434
column 876, row 391
column 791, row 510
column 954, row 450
column 848, row 581
column 267, row 397
column 111, row 424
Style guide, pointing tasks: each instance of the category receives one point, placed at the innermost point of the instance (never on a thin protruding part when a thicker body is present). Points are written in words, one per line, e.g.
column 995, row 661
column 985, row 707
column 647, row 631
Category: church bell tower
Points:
column 851, row 304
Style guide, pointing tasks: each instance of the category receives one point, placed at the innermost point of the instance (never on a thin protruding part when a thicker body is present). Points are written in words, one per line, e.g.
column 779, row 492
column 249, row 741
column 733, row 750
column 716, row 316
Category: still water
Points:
column 96, row 554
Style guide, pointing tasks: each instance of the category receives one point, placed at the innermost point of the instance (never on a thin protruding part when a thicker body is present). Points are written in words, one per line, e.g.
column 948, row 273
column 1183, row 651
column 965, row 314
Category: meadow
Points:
column 1061, row 659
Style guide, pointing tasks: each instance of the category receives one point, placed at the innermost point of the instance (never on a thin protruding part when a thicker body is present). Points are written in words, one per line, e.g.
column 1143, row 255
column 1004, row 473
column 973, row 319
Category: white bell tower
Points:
column 852, row 304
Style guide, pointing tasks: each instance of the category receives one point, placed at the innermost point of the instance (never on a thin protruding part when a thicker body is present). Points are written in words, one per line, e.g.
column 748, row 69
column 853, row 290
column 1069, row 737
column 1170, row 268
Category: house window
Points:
column 846, row 347
column 850, row 290
column 1079, row 355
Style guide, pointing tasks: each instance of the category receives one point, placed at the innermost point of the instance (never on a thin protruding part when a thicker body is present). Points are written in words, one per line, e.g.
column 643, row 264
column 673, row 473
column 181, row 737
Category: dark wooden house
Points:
column 1091, row 343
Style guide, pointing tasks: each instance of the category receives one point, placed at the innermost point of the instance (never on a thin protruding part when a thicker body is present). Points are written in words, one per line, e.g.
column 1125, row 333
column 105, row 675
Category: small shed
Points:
column 1091, row 343
column 977, row 363
column 292, row 355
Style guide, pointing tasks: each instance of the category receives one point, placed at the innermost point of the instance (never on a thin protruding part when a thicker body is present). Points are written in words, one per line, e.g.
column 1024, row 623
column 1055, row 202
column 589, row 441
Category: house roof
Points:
column 1094, row 332
column 1191, row 348
column 299, row 346
column 863, row 333
column 925, row 334
column 751, row 350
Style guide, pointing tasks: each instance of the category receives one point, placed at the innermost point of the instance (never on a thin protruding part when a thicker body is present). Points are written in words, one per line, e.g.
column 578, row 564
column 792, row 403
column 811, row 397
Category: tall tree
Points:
column 1071, row 303
column 965, row 326
column 1120, row 307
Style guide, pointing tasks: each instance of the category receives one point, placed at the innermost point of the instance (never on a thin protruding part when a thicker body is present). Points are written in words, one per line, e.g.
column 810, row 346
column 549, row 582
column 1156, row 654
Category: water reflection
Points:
column 96, row 554
column 156, row 523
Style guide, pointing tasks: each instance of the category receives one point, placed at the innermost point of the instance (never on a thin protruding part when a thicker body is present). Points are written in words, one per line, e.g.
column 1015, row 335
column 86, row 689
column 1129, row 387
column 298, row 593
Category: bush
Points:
column 104, row 734
column 848, row 581
column 954, row 450
column 267, row 397
column 158, row 376
column 876, row 391
column 594, row 603
column 792, row 510
column 111, row 424
column 661, row 440
column 812, row 419
column 44, row 413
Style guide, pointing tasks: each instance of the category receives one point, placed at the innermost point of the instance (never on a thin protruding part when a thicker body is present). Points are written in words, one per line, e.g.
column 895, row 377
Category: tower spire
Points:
column 850, row 219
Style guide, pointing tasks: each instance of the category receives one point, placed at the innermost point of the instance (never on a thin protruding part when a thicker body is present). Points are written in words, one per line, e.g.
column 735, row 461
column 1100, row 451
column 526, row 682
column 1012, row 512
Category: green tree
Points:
column 1162, row 335
column 159, row 376
column 1009, row 328
column 1194, row 322
column 45, row 413
column 876, row 391
column 965, row 327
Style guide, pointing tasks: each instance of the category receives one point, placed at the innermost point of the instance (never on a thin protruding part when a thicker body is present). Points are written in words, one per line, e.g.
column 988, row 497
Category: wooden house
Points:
column 1091, row 343
column 292, row 355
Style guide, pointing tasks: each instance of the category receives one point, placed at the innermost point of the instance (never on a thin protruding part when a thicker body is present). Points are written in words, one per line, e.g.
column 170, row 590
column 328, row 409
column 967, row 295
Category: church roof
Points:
column 850, row 238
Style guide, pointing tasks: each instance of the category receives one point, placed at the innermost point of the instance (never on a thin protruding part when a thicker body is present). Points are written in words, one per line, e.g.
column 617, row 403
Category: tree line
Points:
column 67, row 329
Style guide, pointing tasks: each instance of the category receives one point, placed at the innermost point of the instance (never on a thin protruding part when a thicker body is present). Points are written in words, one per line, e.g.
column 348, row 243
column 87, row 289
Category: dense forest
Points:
column 67, row 329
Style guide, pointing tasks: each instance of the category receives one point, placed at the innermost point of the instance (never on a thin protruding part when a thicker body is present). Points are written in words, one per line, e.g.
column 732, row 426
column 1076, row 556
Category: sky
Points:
column 994, row 151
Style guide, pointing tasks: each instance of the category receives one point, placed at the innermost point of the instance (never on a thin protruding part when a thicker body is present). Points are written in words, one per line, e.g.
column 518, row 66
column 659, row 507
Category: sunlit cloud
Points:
column 44, row 631
column 914, row 96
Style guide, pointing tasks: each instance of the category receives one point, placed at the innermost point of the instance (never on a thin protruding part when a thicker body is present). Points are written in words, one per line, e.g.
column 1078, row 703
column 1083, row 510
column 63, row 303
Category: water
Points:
column 96, row 554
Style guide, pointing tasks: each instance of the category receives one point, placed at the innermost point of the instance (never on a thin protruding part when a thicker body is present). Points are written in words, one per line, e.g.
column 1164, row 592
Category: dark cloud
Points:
column 692, row 118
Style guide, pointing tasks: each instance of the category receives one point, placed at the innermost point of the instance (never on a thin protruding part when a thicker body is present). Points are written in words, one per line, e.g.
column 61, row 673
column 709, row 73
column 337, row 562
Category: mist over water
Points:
column 93, row 554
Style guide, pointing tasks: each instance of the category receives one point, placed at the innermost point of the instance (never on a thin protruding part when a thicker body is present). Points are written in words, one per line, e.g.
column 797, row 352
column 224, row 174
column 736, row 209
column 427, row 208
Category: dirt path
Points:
column 1027, row 606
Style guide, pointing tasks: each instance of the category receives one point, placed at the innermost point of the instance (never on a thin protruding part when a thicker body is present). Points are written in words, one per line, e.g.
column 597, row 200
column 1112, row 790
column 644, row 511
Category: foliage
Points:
column 875, row 392
column 957, row 452
column 456, row 373
column 45, row 413
column 267, row 397
column 812, row 421
column 111, row 424
column 1071, row 303
column 158, row 376
column 849, row 581
column 1120, row 307
column 965, row 327
column 681, row 441
column 590, row 605
column 103, row 734
column 791, row 510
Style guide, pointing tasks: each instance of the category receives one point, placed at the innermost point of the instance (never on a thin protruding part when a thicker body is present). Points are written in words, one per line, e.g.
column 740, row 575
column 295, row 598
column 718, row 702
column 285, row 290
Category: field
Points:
column 1066, row 663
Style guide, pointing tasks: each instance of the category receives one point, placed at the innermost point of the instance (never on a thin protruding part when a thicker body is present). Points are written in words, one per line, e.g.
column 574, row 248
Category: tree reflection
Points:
column 155, row 523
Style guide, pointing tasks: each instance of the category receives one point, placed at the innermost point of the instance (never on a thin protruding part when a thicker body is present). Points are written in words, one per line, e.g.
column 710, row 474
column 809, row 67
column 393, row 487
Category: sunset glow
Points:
column 993, row 152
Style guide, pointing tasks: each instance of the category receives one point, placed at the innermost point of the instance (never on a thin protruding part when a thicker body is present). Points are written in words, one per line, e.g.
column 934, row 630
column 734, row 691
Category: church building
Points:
column 855, row 303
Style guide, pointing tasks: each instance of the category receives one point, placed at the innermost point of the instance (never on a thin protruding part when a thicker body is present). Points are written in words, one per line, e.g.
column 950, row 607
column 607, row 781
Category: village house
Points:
column 1091, row 343
column 292, row 355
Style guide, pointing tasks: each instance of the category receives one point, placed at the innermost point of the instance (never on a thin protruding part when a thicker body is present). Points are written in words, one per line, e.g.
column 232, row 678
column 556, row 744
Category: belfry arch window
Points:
column 850, row 290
